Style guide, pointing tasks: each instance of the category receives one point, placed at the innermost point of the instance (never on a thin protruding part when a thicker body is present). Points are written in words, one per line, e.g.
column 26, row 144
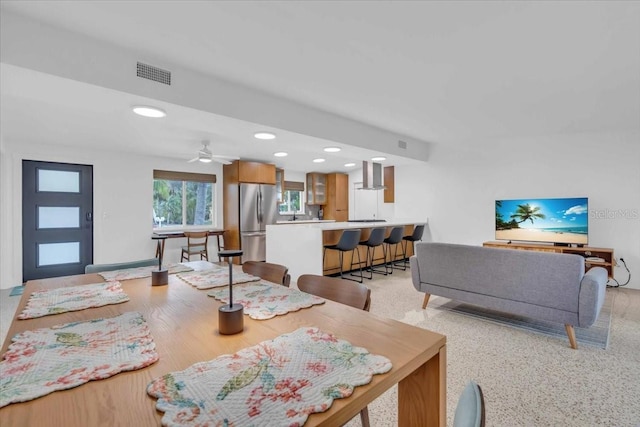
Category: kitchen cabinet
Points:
column 337, row 204
column 241, row 171
column 279, row 185
column 389, row 184
column 316, row 188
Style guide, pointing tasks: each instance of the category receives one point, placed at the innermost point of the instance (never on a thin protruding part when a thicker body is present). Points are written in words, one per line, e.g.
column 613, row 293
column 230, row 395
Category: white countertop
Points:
column 324, row 225
column 305, row 221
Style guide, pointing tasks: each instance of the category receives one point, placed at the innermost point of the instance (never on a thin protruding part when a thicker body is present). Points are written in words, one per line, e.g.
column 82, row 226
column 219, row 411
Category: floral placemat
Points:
column 264, row 301
column 212, row 278
column 45, row 360
column 72, row 298
column 140, row 272
column 278, row 382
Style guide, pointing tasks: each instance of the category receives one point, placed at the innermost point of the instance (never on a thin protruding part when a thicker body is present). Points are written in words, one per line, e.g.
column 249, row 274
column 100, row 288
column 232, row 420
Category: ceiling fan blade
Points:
column 221, row 160
column 192, row 160
column 221, row 156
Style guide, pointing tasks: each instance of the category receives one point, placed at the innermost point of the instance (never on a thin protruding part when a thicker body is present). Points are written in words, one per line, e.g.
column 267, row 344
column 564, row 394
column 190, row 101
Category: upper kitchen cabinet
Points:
column 337, row 205
column 241, row 171
column 279, row 184
column 316, row 188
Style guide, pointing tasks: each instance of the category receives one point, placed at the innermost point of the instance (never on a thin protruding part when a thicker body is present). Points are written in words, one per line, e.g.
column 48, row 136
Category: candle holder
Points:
column 159, row 277
column 230, row 316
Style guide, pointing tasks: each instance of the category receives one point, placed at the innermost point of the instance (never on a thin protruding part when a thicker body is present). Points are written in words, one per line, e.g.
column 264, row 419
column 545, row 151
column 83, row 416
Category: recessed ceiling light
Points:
column 318, row 160
column 378, row 159
column 281, row 154
column 146, row 111
column 264, row 135
column 349, row 165
column 332, row 149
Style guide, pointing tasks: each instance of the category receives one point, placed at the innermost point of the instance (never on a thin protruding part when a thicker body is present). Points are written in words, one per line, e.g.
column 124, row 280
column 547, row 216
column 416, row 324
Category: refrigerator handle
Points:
column 260, row 213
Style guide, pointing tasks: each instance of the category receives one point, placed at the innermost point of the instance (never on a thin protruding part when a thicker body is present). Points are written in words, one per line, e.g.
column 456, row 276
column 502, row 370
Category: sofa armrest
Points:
column 591, row 298
column 415, row 272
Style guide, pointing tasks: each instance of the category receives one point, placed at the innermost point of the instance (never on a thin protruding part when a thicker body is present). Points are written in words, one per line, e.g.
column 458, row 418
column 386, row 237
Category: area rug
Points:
column 597, row 335
column 279, row 382
column 16, row 291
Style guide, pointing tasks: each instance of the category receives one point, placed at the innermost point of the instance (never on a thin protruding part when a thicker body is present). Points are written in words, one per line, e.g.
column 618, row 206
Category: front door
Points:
column 57, row 219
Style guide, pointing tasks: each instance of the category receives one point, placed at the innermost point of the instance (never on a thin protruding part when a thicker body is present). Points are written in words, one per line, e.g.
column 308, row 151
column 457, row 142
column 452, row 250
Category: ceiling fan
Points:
column 206, row 156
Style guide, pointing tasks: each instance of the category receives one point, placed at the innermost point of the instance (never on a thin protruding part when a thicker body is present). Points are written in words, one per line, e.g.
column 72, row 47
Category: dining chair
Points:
column 348, row 242
column 196, row 245
column 271, row 272
column 414, row 237
column 339, row 290
column 97, row 268
column 470, row 410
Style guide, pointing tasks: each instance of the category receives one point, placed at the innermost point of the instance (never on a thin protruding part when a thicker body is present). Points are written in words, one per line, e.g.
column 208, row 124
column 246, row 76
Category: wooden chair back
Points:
column 197, row 244
column 335, row 289
column 343, row 291
column 271, row 272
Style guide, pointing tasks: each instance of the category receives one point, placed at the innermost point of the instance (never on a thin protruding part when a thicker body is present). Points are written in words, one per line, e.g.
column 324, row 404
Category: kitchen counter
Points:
column 299, row 245
column 305, row 221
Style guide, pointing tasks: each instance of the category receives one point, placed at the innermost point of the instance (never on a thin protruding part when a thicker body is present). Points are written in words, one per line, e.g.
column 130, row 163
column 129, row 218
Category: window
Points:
column 182, row 199
column 292, row 198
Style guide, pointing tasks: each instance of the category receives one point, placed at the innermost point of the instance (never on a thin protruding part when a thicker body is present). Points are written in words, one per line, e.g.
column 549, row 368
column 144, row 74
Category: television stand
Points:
column 589, row 253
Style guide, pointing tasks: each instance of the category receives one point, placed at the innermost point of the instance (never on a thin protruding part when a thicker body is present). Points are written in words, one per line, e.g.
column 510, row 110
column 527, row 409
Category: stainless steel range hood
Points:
column 372, row 176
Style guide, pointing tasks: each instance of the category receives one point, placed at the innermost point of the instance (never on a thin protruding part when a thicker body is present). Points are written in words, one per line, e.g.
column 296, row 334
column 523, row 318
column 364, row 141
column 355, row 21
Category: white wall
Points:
column 457, row 188
column 123, row 196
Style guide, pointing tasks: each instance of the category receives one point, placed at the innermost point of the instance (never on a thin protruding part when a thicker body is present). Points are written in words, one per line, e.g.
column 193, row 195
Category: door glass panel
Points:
column 58, row 181
column 58, row 253
column 58, row 217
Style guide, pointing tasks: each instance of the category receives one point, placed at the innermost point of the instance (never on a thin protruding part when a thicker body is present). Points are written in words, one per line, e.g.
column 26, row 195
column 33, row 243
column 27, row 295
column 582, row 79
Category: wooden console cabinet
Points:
column 605, row 253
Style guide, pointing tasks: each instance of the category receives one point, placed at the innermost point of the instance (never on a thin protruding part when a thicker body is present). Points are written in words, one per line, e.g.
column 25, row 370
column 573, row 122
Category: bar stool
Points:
column 416, row 236
column 348, row 242
column 395, row 238
column 376, row 238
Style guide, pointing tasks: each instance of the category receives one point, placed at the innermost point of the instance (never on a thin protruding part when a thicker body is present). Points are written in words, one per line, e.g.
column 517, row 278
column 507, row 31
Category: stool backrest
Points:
column 349, row 239
column 376, row 237
column 417, row 232
column 395, row 236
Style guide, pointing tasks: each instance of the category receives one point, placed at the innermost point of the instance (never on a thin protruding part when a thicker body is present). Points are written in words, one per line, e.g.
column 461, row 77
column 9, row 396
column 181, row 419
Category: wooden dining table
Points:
column 184, row 325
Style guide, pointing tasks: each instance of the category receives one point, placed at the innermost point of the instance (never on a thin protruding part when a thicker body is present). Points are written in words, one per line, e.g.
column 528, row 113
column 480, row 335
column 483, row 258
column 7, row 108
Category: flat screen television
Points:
column 559, row 221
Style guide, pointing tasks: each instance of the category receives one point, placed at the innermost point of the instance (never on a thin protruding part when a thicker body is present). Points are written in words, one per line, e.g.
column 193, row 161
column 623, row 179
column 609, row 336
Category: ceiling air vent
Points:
column 156, row 74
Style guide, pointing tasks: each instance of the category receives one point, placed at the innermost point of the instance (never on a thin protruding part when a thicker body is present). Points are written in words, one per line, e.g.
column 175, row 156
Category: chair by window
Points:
column 339, row 290
column 470, row 411
column 414, row 237
column 196, row 245
column 348, row 243
column 271, row 272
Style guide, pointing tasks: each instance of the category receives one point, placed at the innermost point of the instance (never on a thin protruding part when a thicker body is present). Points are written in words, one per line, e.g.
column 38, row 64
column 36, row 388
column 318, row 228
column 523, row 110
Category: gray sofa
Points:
column 542, row 285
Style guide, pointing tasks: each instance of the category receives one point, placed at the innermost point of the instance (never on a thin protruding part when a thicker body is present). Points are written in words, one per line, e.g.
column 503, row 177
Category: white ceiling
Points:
column 440, row 72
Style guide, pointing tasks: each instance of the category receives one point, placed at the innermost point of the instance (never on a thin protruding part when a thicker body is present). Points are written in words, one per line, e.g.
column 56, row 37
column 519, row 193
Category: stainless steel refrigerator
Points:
column 258, row 208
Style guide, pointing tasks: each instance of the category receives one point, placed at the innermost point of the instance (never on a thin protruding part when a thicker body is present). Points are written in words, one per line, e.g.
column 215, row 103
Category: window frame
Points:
column 290, row 186
column 186, row 178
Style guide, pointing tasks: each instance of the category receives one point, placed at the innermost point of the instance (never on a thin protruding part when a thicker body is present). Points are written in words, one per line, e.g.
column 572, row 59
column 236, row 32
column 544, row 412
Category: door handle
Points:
column 89, row 216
